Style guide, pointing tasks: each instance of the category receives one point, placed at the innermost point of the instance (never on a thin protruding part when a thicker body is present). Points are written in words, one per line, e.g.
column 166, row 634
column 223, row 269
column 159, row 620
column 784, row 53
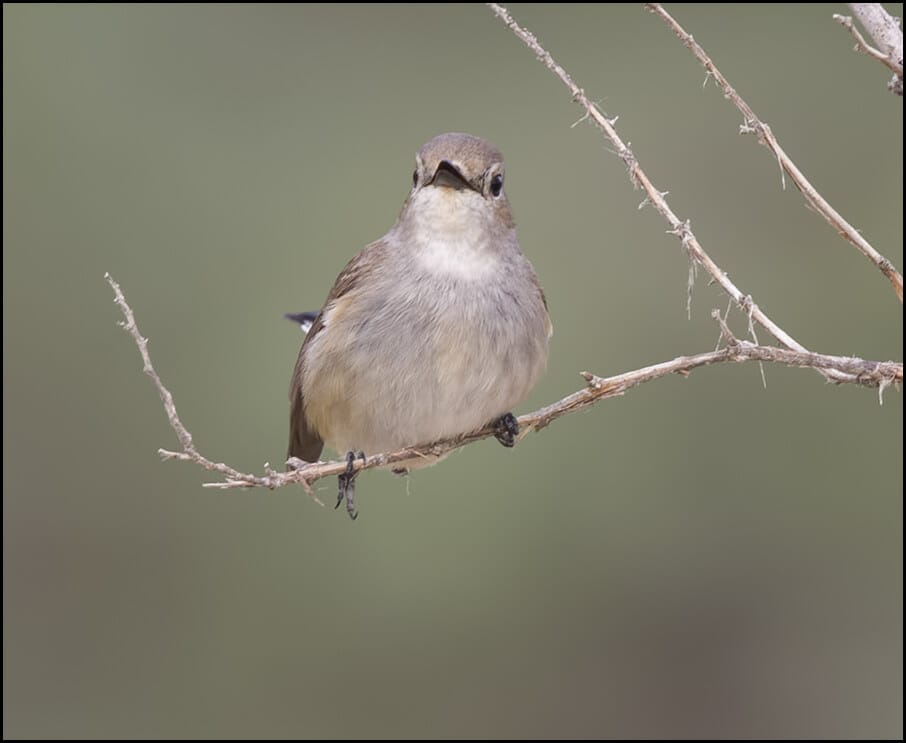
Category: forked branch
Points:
column 680, row 228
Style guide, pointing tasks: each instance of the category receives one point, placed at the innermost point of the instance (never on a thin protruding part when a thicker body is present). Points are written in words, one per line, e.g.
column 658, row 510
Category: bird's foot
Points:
column 347, row 484
column 506, row 429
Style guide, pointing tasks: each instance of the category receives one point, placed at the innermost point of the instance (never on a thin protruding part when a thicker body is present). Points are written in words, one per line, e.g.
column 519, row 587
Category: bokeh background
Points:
column 702, row 557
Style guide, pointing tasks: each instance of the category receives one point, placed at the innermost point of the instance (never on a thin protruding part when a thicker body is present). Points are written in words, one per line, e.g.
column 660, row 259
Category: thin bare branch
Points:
column 853, row 370
column 887, row 34
column 189, row 453
column 753, row 125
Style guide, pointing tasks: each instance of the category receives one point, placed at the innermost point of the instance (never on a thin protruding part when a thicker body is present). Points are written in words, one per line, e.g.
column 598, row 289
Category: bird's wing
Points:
column 304, row 442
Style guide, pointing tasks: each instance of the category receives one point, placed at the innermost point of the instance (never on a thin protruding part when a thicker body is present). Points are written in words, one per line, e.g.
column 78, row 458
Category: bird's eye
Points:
column 414, row 178
column 496, row 184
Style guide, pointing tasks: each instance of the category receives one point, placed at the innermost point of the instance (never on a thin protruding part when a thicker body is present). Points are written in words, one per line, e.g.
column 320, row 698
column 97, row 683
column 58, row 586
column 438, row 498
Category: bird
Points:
column 435, row 330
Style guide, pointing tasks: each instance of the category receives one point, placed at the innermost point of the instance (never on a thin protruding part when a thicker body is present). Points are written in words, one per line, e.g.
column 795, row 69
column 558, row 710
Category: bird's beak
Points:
column 448, row 175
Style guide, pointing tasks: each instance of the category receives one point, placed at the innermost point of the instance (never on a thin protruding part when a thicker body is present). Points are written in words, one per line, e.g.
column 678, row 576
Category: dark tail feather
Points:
column 304, row 319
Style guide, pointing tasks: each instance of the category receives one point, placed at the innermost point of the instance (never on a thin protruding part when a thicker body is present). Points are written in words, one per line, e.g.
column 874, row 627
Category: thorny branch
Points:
column 680, row 228
column 857, row 371
column 753, row 125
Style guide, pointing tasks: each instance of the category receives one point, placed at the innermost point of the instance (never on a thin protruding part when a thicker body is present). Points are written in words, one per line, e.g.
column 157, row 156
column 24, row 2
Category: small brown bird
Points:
column 435, row 330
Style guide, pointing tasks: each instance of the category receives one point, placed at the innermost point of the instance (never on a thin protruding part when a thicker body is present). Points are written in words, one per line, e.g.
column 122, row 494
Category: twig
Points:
column 853, row 370
column 189, row 453
column 655, row 197
column 753, row 125
column 864, row 47
column 887, row 34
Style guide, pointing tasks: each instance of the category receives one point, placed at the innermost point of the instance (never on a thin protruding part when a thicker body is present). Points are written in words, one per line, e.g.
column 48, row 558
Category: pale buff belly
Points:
column 414, row 376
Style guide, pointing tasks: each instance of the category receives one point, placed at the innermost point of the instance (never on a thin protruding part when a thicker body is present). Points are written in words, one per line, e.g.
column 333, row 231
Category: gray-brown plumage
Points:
column 436, row 329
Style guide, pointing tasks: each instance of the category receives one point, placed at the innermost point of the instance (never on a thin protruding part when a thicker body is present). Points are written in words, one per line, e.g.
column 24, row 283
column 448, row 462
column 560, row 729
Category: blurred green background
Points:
column 702, row 557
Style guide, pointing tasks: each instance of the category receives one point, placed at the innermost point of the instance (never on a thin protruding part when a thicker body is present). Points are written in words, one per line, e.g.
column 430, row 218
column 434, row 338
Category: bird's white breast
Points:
column 452, row 235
